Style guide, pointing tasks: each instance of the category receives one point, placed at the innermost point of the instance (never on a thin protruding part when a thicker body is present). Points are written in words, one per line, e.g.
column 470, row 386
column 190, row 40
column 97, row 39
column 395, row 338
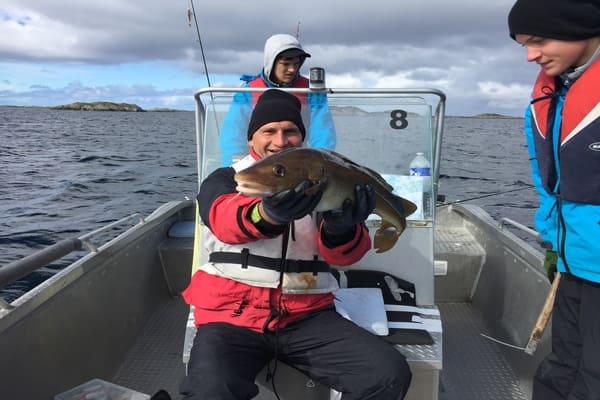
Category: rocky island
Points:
column 100, row 106
column 493, row 115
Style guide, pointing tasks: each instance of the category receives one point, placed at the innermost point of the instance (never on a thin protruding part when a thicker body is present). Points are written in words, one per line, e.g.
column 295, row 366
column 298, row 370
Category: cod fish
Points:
column 337, row 176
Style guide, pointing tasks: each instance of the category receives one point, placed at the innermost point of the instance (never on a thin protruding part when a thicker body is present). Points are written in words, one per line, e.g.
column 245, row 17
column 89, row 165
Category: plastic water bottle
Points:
column 420, row 166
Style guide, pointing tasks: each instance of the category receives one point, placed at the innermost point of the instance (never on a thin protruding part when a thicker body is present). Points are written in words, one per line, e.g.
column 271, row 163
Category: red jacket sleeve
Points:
column 229, row 221
column 348, row 253
column 224, row 210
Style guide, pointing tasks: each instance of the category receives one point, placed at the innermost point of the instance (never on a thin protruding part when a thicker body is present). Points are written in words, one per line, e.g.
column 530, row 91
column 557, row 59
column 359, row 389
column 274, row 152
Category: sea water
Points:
column 66, row 173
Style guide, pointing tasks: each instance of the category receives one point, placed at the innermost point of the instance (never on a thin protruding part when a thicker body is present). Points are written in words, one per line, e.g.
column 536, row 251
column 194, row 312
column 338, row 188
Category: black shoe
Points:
column 161, row 395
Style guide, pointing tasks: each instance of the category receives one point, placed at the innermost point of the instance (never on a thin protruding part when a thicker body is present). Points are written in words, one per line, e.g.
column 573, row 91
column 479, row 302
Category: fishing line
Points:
column 485, row 195
column 192, row 12
column 502, row 343
column 199, row 41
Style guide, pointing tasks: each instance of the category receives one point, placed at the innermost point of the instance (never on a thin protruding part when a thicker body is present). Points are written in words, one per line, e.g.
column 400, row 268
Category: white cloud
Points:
column 458, row 47
column 505, row 96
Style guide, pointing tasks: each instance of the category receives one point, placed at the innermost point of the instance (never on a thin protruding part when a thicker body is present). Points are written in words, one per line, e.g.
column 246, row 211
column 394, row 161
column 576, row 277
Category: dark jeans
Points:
column 572, row 370
column 226, row 359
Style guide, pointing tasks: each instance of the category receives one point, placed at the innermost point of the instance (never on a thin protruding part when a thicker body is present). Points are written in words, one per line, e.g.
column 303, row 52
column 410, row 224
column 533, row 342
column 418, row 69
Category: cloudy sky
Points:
column 60, row 51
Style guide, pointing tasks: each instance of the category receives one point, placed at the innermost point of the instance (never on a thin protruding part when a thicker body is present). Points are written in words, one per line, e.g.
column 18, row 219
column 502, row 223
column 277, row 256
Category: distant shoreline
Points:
column 99, row 106
column 128, row 107
column 492, row 115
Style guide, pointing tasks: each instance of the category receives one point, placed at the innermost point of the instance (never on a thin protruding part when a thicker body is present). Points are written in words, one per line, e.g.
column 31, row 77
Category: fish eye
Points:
column 279, row 170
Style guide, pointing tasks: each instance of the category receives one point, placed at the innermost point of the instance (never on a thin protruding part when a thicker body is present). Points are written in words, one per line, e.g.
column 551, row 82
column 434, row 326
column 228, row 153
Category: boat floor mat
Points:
column 154, row 361
column 475, row 368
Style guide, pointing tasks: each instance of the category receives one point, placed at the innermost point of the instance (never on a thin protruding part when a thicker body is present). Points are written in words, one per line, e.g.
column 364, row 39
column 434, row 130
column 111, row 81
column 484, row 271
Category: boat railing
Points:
column 438, row 116
column 507, row 221
column 26, row 265
column 86, row 238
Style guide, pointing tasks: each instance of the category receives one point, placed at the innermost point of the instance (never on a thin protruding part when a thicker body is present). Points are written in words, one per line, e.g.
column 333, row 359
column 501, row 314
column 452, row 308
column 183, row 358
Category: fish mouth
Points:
column 254, row 189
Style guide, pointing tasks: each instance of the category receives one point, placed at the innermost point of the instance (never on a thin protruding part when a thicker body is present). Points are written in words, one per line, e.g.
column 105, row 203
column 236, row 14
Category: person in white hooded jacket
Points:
column 283, row 57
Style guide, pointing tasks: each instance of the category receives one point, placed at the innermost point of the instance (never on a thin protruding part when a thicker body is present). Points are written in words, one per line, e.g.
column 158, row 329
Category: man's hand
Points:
column 290, row 204
column 341, row 222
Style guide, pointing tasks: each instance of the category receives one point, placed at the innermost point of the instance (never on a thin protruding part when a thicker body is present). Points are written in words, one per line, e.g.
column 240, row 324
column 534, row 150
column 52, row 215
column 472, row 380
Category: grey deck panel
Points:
column 474, row 367
column 154, row 362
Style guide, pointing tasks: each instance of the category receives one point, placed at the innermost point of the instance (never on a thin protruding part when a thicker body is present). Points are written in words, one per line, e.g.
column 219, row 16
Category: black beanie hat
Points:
column 555, row 19
column 273, row 106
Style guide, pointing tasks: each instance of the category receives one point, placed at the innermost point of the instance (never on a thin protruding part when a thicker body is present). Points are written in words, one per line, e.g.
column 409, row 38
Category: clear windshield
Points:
column 380, row 129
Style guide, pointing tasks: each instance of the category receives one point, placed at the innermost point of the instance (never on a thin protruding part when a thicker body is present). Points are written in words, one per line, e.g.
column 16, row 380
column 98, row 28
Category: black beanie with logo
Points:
column 555, row 19
column 274, row 106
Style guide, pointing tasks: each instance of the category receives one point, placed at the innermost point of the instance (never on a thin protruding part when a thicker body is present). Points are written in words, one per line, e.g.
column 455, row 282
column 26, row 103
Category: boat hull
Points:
column 83, row 322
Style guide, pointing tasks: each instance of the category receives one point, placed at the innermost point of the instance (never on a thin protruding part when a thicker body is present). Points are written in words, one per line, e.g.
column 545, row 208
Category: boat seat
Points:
column 182, row 229
column 175, row 254
column 457, row 246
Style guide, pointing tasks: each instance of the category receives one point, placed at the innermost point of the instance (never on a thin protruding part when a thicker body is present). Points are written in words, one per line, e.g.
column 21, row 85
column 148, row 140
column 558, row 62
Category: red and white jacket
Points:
column 243, row 282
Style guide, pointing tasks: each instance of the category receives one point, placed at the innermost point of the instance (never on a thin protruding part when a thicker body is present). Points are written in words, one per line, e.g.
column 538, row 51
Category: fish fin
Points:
column 374, row 174
column 387, row 235
column 385, row 238
column 317, row 186
column 406, row 207
column 403, row 206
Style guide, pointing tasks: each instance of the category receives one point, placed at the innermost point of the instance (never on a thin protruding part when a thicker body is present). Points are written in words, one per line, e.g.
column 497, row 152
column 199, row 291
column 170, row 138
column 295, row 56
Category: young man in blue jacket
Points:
column 562, row 126
column 283, row 57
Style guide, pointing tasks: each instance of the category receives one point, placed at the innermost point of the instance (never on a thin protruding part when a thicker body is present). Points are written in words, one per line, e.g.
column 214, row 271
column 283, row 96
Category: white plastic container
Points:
column 420, row 166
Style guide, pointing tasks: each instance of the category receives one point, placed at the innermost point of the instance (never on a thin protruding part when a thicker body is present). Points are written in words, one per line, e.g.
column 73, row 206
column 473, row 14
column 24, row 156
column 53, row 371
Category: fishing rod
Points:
column 528, row 186
column 192, row 12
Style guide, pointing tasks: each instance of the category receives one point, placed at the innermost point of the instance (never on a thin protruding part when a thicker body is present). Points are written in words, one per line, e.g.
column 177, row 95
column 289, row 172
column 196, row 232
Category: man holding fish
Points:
column 266, row 291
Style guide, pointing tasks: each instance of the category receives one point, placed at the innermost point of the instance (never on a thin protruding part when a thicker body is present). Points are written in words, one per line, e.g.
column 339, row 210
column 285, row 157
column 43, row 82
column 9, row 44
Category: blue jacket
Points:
column 233, row 139
column 562, row 128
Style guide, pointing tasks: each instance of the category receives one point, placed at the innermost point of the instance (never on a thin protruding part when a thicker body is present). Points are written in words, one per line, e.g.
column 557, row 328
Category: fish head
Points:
column 282, row 171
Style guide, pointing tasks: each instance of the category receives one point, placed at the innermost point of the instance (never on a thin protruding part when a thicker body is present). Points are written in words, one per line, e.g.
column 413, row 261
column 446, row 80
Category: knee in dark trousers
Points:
column 394, row 378
column 224, row 362
column 388, row 379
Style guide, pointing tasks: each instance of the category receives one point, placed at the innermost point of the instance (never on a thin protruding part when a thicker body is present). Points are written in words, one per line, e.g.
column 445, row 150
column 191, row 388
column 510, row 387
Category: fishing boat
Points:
column 460, row 292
